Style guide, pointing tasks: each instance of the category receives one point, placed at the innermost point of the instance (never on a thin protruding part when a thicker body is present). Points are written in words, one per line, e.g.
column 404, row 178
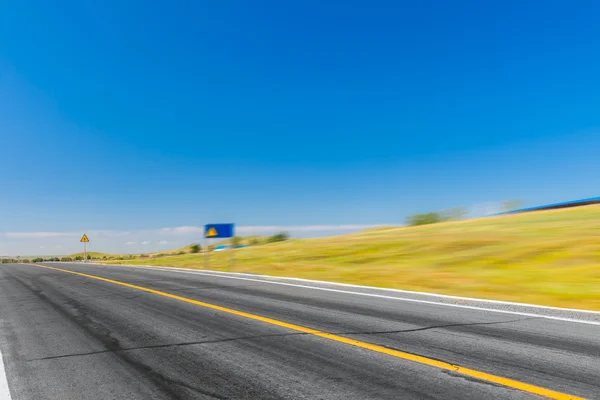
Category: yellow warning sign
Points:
column 84, row 239
column 212, row 232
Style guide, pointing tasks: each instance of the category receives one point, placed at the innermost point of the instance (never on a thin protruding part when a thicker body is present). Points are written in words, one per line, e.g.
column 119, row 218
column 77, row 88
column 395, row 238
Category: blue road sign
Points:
column 218, row 231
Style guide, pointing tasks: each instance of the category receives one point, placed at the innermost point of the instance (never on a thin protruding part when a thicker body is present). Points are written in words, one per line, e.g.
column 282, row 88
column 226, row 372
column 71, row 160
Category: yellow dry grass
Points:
column 548, row 257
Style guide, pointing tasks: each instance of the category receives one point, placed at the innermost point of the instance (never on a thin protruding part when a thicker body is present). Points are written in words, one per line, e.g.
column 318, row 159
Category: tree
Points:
column 424, row 219
column 236, row 241
column 454, row 214
column 254, row 241
column 195, row 248
column 511, row 205
column 278, row 237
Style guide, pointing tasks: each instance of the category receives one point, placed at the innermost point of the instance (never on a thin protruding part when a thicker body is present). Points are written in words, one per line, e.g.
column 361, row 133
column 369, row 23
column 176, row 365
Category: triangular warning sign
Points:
column 84, row 239
column 212, row 232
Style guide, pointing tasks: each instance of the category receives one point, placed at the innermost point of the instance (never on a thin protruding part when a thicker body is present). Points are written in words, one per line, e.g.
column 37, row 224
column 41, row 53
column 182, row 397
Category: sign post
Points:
column 84, row 240
column 218, row 231
column 232, row 254
column 205, row 251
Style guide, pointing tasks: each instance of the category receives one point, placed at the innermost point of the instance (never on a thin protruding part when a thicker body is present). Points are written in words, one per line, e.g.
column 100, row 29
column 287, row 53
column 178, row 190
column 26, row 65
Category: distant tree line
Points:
column 11, row 261
column 43, row 259
column 237, row 241
column 15, row 260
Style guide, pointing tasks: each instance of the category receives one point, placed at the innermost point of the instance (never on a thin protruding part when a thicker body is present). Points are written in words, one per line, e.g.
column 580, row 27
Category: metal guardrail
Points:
column 566, row 204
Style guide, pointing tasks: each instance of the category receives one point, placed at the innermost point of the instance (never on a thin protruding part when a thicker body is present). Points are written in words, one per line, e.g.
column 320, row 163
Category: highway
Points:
column 76, row 331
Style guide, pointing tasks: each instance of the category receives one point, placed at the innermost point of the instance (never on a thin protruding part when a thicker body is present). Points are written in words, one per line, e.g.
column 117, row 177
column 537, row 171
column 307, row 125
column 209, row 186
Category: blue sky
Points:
column 130, row 116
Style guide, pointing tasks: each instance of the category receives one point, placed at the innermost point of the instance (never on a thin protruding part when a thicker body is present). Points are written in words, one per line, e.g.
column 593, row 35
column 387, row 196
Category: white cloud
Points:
column 182, row 230
column 37, row 235
column 187, row 231
column 301, row 228
column 109, row 233
column 122, row 241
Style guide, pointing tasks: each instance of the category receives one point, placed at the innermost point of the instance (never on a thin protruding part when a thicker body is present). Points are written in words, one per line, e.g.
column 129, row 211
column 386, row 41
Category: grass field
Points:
column 546, row 257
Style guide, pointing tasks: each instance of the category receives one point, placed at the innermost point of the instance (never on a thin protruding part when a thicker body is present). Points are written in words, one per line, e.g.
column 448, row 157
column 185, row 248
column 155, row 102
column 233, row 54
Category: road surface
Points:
column 74, row 331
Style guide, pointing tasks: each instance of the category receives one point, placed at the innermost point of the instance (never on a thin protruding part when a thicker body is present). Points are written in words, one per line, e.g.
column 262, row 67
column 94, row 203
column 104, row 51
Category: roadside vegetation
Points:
column 15, row 260
column 238, row 241
column 544, row 257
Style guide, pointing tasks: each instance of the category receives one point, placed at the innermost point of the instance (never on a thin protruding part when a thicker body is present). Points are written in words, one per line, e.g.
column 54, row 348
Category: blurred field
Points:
column 546, row 257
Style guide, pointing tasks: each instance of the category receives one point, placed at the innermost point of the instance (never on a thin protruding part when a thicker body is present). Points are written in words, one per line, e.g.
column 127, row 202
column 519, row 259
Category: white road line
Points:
column 269, row 279
column 526, row 314
column 4, row 391
column 443, row 296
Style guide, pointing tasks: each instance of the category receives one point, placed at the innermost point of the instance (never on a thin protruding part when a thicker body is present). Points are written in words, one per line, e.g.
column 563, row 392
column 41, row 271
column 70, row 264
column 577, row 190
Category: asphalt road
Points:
column 177, row 335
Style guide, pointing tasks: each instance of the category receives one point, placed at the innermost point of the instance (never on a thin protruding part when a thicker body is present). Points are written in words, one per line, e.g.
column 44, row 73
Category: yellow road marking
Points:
column 364, row 345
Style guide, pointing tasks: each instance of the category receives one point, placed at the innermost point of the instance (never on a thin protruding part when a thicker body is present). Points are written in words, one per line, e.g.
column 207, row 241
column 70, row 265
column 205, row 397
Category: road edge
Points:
column 314, row 281
column 4, row 389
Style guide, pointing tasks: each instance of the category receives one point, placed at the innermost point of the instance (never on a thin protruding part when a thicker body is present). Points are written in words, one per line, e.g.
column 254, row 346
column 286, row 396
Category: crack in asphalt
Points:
column 158, row 346
column 435, row 327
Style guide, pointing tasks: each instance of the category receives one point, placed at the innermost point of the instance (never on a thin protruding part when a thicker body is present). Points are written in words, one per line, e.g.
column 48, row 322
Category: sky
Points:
column 139, row 121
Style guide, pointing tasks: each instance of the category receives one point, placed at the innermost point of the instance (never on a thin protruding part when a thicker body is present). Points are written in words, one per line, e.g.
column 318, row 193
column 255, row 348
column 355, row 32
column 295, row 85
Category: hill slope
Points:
column 546, row 257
